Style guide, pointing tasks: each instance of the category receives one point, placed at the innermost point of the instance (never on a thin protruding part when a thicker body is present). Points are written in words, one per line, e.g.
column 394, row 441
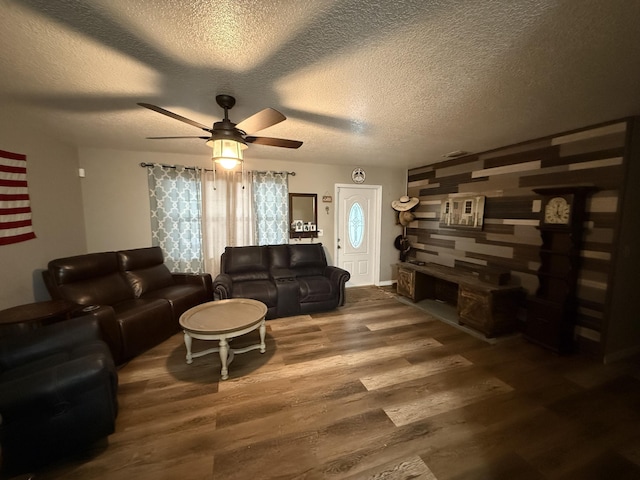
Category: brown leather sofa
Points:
column 135, row 298
column 288, row 279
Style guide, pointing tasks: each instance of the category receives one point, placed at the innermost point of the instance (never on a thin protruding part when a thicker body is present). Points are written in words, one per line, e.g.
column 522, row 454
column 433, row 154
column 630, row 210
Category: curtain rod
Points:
column 143, row 164
column 293, row 174
column 163, row 165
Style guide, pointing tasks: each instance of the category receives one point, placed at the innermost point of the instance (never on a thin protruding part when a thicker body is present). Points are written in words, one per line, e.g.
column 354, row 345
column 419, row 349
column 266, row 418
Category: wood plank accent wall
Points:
column 593, row 156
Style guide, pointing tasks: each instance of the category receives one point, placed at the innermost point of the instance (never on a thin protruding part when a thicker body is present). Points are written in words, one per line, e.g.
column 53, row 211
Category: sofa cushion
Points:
column 307, row 259
column 149, row 279
column 144, row 269
column 181, row 297
column 308, row 255
column 139, row 258
column 278, row 256
column 246, row 263
column 261, row 290
column 315, row 289
column 83, row 267
column 144, row 323
column 104, row 290
column 90, row 279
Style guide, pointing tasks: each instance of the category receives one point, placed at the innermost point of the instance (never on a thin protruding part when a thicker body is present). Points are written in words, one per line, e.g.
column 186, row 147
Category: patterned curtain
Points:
column 271, row 207
column 176, row 205
column 227, row 219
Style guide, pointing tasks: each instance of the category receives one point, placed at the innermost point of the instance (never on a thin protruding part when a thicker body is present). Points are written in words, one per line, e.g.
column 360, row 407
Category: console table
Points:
column 491, row 309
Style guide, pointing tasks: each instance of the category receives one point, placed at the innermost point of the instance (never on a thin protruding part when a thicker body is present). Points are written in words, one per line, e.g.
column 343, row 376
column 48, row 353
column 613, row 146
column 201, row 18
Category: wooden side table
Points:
column 33, row 315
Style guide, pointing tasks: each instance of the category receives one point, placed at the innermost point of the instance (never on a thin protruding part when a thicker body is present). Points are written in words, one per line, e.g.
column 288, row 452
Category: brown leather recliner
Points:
column 137, row 301
column 58, row 393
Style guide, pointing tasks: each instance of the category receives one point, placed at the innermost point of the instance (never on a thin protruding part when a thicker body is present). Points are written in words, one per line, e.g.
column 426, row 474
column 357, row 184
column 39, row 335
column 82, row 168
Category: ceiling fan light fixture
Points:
column 226, row 152
column 227, row 163
column 228, row 139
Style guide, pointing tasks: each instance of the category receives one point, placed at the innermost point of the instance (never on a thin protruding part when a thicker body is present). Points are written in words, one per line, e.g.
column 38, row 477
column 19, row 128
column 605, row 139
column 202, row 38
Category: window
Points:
column 176, row 211
column 271, row 207
column 194, row 216
column 468, row 207
column 356, row 225
column 227, row 217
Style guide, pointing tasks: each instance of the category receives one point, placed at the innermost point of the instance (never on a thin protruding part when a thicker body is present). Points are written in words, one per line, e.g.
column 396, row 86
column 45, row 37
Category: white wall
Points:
column 56, row 204
column 116, row 202
column 116, row 197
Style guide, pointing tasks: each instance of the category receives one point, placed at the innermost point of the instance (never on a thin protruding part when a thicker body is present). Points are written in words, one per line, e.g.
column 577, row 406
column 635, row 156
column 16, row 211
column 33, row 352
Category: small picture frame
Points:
column 312, row 227
column 298, row 225
column 306, row 227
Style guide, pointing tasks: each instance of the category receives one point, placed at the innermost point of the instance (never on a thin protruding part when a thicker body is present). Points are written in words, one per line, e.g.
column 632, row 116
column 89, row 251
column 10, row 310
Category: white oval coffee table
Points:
column 223, row 320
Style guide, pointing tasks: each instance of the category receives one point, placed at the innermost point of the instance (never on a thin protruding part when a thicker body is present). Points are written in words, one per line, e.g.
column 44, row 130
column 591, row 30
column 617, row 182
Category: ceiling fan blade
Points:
column 164, row 138
column 261, row 120
column 274, row 142
column 174, row 115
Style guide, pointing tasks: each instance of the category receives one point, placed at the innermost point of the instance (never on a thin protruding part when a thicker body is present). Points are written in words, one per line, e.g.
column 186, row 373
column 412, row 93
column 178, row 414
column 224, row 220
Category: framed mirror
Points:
column 303, row 215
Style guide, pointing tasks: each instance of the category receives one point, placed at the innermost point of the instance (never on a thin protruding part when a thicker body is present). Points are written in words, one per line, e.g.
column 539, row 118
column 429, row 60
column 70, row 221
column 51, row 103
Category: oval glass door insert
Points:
column 356, row 225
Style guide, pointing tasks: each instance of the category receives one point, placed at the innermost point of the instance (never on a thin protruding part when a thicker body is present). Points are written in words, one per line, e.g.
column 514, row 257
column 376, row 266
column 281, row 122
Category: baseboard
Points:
column 386, row 283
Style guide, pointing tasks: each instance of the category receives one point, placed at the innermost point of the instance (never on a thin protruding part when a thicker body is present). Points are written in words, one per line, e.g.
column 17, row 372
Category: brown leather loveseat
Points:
column 288, row 279
column 132, row 293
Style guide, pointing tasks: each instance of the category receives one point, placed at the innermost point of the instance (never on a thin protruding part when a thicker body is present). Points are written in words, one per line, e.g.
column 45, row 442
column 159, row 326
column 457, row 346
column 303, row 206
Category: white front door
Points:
column 358, row 230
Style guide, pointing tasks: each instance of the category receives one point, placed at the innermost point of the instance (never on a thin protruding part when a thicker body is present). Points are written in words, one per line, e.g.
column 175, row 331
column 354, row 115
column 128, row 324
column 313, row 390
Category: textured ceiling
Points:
column 361, row 82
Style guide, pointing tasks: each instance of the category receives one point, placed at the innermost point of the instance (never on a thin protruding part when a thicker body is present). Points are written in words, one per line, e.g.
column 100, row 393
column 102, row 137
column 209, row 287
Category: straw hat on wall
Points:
column 405, row 203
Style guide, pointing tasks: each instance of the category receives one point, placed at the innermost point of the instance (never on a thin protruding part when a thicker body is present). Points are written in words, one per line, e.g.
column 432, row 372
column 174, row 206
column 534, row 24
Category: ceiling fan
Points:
column 227, row 135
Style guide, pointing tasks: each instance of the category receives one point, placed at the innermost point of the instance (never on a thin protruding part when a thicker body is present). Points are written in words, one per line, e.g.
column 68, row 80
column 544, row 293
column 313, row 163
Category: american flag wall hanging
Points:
column 15, row 209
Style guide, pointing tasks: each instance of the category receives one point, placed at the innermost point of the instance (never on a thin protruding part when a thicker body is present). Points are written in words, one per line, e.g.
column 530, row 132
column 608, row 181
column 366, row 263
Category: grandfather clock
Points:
column 552, row 312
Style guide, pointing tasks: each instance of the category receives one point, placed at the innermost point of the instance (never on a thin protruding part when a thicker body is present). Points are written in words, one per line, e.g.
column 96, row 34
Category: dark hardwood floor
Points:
column 374, row 390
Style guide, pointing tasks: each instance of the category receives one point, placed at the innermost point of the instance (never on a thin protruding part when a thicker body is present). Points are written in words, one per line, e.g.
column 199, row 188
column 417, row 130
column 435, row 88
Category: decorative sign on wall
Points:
column 15, row 208
column 463, row 211
column 358, row 175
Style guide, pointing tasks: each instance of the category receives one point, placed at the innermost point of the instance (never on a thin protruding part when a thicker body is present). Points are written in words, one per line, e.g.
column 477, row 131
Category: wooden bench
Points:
column 487, row 307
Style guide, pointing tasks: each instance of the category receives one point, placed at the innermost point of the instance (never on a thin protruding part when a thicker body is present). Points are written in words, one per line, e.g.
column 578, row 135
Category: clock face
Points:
column 557, row 211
